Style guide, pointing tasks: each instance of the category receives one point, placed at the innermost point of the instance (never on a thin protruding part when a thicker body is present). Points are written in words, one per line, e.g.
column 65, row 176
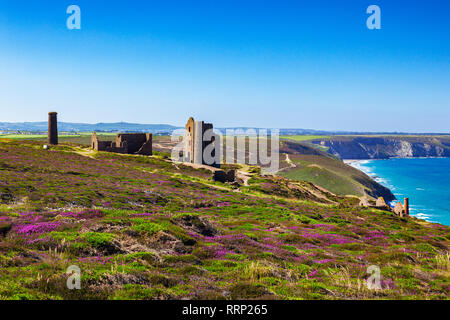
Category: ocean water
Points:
column 425, row 181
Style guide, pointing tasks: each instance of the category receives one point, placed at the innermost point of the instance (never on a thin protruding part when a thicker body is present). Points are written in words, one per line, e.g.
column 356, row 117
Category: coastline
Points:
column 358, row 165
column 405, row 180
column 350, row 161
column 383, row 180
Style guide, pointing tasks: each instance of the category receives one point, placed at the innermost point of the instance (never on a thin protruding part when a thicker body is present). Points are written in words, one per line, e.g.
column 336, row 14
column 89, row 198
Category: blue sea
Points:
column 425, row 181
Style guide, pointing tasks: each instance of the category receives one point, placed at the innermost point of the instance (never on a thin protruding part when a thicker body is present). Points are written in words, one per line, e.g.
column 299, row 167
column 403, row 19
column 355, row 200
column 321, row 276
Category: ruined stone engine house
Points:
column 126, row 143
column 200, row 140
column 400, row 209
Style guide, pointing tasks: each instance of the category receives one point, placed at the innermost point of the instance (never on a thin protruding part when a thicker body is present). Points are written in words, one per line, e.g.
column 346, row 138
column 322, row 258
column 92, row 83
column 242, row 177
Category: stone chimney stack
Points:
column 52, row 128
column 406, row 205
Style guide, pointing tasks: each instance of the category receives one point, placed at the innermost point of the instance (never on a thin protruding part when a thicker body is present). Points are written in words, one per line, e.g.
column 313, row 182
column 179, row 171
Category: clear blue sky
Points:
column 286, row 64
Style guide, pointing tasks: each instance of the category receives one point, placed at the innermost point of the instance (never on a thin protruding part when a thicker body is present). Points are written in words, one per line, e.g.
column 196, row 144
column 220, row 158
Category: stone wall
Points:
column 136, row 142
column 126, row 143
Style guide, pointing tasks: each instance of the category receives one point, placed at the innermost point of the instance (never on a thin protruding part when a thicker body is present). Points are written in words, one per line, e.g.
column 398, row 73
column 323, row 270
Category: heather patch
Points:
column 142, row 228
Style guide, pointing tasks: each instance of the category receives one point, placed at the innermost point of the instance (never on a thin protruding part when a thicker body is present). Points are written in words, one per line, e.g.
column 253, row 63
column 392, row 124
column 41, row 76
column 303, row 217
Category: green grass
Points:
column 141, row 228
column 82, row 138
column 301, row 138
column 328, row 173
column 325, row 178
column 143, row 225
column 34, row 136
column 98, row 239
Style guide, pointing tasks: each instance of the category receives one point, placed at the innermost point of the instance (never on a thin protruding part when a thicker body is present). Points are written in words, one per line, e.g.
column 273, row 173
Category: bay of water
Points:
column 425, row 181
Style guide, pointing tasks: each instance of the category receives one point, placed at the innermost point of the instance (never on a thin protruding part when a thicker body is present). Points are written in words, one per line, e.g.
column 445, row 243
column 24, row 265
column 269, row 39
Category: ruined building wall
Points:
column 128, row 143
column 198, row 142
column 212, row 142
column 94, row 142
column 147, row 148
column 402, row 209
column 398, row 209
column 217, row 143
column 134, row 141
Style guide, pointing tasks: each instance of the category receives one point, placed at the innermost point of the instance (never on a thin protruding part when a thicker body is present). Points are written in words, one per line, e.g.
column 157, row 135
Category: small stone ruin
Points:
column 402, row 210
column 399, row 209
column 125, row 143
column 222, row 176
column 380, row 203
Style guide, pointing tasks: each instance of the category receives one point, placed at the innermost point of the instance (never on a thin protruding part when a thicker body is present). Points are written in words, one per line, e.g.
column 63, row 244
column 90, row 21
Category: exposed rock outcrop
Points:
column 385, row 148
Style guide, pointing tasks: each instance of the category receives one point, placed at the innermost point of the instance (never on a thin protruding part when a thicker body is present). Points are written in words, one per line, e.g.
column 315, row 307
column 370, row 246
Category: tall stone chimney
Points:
column 406, row 205
column 52, row 128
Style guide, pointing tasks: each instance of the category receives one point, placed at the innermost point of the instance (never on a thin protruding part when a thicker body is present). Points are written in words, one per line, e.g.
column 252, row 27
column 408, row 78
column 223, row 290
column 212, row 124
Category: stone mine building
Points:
column 381, row 204
column 52, row 128
column 202, row 148
column 126, row 143
column 200, row 137
column 402, row 209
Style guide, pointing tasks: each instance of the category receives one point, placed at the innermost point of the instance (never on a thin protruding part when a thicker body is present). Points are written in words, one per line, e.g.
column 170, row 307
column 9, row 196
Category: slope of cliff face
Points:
column 365, row 147
column 303, row 162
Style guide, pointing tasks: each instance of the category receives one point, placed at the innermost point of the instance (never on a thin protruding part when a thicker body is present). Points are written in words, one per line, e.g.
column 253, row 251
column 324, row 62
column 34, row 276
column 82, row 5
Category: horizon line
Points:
column 331, row 132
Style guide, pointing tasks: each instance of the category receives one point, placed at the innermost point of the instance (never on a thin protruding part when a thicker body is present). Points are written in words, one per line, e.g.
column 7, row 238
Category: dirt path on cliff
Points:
column 289, row 162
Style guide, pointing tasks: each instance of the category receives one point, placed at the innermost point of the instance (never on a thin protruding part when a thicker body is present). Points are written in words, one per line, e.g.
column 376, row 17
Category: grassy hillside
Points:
column 83, row 138
column 302, row 138
column 349, row 137
column 307, row 163
column 333, row 175
column 323, row 172
column 144, row 228
column 160, row 143
column 312, row 163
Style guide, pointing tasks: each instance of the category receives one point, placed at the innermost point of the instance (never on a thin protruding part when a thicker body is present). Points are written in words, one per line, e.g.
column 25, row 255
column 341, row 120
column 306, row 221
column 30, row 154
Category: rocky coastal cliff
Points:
column 387, row 147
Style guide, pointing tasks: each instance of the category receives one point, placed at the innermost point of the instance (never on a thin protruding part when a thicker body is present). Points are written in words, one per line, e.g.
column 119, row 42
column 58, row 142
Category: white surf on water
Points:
column 425, row 181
